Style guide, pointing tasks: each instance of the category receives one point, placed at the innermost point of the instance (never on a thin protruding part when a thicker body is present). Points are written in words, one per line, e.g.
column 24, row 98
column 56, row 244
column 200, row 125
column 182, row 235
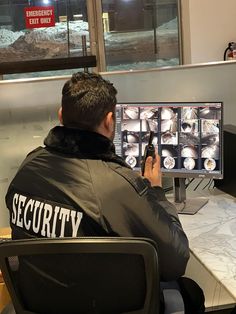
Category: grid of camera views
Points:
column 136, row 124
column 187, row 136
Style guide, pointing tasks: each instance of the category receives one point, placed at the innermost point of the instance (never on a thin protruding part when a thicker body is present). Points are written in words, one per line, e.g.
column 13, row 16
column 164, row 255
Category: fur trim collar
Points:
column 82, row 144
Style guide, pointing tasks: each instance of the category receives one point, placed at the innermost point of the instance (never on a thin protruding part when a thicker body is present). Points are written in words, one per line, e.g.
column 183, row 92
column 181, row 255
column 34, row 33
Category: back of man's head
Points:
column 86, row 100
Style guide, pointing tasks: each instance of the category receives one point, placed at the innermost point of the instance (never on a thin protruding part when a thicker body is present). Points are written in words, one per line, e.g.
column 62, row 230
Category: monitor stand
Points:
column 188, row 206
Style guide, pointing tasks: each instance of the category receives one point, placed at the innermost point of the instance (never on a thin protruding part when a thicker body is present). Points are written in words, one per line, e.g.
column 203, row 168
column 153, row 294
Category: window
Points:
column 40, row 29
column 140, row 34
column 131, row 34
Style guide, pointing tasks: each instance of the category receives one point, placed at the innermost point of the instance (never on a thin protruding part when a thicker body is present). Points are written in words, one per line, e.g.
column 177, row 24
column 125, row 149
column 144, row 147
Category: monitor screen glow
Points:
column 187, row 136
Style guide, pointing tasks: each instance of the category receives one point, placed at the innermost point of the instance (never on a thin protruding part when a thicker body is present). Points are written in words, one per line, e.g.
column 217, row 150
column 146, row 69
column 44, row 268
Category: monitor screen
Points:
column 188, row 136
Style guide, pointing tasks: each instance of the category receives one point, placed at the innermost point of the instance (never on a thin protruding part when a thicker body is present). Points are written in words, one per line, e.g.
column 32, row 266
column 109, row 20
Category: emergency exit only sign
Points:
column 36, row 17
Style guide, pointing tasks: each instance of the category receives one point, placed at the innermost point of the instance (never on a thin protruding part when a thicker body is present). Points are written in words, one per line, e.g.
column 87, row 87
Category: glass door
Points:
column 42, row 29
column 140, row 34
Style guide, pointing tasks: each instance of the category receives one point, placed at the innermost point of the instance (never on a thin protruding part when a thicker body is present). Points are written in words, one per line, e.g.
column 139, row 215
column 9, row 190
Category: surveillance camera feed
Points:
column 187, row 136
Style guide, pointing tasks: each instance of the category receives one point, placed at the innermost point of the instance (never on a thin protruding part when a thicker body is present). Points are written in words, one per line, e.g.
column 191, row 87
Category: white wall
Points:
column 208, row 26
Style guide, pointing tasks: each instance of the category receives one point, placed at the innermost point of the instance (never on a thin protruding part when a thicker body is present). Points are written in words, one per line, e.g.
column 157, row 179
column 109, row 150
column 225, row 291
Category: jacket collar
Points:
column 82, row 144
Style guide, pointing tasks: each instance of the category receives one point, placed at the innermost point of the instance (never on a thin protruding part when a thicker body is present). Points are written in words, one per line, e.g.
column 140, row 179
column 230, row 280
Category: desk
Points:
column 212, row 237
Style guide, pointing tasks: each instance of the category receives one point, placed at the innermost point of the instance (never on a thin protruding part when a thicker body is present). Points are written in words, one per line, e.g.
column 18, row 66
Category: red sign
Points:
column 36, row 17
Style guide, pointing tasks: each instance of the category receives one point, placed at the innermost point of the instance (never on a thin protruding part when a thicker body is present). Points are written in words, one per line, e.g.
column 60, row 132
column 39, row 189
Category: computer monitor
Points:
column 187, row 135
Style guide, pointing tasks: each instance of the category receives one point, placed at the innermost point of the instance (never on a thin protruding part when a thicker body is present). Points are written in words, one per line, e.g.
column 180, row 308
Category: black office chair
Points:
column 81, row 275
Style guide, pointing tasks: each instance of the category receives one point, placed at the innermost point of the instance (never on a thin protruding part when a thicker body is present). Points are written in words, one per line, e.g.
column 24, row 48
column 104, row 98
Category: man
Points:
column 77, row 186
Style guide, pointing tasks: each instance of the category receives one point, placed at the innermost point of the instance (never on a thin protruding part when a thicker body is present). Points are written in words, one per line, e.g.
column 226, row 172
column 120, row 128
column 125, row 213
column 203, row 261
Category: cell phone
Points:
column 149, row 151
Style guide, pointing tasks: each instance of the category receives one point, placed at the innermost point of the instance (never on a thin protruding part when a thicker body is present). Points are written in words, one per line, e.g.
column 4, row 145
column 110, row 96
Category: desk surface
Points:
column 212, row 237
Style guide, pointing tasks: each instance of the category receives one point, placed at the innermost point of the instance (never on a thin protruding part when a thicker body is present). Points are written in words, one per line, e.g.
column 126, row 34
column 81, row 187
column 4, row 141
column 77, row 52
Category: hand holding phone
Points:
column 149, row 151
column 151, row 167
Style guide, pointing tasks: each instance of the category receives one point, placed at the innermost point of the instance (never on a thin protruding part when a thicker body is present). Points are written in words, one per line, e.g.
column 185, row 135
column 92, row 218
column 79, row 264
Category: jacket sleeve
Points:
column 167, row 231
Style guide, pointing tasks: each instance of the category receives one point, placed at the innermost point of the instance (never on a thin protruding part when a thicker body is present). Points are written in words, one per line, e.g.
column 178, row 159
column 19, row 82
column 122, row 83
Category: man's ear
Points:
column 109, row 122
column 60, row 115
column 106, row 127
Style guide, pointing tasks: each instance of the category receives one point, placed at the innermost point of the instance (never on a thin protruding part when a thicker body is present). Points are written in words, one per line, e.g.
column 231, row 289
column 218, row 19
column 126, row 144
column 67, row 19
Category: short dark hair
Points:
column 86, row 99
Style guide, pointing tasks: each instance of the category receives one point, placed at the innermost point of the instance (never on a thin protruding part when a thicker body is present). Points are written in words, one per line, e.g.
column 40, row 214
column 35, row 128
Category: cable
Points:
column 212, row 181
column 207, row 184
column 198, row 185
column 190, row 181
column 170, row 188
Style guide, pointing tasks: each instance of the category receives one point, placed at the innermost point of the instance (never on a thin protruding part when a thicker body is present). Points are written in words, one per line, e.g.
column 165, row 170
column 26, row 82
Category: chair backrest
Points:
column 81, row 275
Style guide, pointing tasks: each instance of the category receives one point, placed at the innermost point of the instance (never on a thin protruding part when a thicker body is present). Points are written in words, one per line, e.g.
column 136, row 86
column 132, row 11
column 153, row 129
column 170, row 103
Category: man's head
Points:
column 89, row 101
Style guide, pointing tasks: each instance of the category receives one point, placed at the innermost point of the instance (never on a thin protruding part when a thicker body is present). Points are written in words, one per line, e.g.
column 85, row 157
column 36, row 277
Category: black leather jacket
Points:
column 77, row 186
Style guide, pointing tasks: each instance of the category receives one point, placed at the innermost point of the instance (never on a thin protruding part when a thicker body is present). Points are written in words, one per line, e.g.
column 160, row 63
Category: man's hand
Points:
column 152, row 170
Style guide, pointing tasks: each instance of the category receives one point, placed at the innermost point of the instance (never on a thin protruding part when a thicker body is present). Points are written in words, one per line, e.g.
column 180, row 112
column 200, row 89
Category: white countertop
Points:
column 212, row 237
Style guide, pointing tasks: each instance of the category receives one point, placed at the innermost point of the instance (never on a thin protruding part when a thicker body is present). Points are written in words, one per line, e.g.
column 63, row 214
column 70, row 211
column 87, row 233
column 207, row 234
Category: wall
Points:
column 208, row 27
column 28, row 107
column 27, row 112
